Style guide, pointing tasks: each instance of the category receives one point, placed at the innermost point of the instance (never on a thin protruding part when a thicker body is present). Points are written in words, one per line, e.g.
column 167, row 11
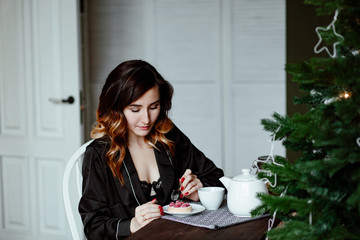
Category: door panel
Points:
column 12, row 66
column 15, row 187
column 49, row 204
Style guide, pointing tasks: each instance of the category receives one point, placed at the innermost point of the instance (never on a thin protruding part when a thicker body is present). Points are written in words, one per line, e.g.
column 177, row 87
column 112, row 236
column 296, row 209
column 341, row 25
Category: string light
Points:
column 345, row 95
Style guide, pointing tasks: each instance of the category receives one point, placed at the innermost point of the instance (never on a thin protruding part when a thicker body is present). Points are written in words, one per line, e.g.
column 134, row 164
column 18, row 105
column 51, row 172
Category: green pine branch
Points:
column 317, row 196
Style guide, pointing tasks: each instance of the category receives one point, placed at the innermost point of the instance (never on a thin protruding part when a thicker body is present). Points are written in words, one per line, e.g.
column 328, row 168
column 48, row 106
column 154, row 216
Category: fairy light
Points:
column 342, row 95
column 345, row 95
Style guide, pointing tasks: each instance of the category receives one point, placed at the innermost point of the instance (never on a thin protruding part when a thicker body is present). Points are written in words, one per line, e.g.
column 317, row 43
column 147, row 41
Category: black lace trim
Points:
column 153, row 190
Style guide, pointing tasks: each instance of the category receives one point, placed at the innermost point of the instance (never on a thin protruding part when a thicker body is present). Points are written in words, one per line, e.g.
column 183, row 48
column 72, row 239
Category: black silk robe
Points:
column 107, row 207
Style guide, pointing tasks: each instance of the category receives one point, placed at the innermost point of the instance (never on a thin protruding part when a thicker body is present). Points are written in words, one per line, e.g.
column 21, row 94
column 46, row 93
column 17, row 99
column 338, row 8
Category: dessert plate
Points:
column 196, row 208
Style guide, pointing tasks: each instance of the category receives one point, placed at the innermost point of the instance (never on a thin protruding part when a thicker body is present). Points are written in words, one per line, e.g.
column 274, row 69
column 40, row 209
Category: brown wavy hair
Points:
column 124, row 85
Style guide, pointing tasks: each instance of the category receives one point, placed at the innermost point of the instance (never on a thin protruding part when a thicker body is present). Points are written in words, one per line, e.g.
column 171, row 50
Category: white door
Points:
column 39, row 60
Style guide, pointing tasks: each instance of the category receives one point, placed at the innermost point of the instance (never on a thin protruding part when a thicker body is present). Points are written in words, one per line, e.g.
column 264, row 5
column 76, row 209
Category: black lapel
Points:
column 128, row 170
column 166, row 171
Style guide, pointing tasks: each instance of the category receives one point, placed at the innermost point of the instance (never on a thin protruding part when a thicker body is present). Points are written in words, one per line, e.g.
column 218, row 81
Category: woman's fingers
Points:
column 148, row 212
column 192, row 187
column 152, row 212
column 186, row 178
column 144, row 214
column 189, row 184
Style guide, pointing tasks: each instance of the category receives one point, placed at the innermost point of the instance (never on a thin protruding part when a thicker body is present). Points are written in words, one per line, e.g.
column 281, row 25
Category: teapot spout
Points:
column 226, row 182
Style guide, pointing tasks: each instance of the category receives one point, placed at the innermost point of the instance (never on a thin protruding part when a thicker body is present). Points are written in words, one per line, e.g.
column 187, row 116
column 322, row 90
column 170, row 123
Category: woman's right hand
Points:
column 144, row 214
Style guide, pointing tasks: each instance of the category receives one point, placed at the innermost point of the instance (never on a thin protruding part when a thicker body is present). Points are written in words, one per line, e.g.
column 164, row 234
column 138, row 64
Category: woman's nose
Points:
column 146, row 117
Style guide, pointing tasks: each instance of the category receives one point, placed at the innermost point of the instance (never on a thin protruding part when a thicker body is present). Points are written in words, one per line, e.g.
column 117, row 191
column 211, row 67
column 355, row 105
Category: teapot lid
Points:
column 246, row 176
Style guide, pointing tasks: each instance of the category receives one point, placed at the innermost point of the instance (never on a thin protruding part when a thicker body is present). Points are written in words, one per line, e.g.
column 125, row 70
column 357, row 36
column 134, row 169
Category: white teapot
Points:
column 242, row 190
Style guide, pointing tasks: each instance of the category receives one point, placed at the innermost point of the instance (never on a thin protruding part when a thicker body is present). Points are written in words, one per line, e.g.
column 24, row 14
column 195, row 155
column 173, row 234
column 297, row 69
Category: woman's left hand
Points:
column 189, row 185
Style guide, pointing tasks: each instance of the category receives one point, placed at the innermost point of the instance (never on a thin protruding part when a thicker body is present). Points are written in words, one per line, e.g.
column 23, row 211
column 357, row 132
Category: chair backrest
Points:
column 73, row 219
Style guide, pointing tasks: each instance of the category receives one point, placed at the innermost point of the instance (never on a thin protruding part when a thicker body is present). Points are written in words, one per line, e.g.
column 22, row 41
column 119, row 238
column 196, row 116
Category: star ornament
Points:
column 331, row 26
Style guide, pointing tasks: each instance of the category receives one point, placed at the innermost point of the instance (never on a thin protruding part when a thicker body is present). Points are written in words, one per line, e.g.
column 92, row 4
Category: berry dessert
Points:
column 179, row 207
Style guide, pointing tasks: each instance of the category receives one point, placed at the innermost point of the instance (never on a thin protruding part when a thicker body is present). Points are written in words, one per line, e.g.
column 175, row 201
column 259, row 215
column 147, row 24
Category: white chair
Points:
column 74, row 221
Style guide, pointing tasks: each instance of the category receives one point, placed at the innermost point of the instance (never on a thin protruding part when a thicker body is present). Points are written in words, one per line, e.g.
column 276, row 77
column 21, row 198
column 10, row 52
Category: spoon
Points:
column 175, row 194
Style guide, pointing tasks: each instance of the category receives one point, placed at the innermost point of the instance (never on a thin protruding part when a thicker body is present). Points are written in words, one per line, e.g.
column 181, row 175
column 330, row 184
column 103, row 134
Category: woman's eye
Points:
column 154, row 107
column 135, row 109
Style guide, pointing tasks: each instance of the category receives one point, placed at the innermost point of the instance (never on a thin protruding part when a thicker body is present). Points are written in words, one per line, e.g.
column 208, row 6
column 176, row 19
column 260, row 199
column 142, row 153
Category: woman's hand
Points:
column 144, row 214
column 189, row 185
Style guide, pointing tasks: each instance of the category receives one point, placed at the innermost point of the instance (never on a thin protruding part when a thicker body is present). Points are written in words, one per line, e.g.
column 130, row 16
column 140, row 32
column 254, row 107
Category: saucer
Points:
column 196, row 208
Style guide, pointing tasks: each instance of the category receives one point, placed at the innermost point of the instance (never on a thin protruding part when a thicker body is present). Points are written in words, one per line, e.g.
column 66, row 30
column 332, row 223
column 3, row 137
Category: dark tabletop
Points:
column 165, row 229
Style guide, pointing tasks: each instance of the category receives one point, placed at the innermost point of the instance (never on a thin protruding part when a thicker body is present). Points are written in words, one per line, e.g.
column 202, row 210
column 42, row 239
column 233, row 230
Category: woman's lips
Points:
column 144, row 127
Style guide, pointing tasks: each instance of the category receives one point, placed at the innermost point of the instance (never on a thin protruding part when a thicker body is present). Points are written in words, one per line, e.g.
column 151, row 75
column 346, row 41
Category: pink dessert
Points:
column 179, row 207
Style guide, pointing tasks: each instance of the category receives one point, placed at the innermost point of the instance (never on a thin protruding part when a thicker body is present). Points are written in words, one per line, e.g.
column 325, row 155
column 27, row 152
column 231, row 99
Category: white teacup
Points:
column 211, row 197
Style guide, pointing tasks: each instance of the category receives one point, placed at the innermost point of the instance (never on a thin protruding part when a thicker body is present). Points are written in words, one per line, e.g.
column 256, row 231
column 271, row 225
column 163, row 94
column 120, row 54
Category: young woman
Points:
column 139, row 157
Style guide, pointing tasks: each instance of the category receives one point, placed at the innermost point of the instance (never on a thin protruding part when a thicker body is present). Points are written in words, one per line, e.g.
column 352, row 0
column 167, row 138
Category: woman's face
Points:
column 142, row 114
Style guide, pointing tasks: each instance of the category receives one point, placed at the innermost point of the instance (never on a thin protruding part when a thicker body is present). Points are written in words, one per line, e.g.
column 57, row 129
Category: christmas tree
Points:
column 317, row 195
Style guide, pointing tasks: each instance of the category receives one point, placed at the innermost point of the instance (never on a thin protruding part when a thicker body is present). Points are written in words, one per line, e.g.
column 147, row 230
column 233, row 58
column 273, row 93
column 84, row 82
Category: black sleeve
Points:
column 187, row 156
column 96, row 213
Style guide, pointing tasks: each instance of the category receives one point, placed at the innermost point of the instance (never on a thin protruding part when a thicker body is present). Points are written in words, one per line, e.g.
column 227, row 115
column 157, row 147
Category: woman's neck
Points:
column 136, row 141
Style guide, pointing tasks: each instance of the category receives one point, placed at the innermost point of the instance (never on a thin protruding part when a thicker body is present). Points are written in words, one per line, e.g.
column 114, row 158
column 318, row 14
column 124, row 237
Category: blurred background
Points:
column 225, row 59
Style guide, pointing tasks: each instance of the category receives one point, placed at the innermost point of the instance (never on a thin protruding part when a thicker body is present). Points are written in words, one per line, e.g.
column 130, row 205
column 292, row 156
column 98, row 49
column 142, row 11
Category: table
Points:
column 165, row 229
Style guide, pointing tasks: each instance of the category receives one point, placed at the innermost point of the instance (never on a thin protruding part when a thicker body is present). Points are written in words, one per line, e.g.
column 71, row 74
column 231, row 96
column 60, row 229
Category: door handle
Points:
column 69, row 100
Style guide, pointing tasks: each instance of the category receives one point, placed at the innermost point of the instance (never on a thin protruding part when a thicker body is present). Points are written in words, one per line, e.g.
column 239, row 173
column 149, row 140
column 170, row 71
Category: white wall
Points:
column 224, row 58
